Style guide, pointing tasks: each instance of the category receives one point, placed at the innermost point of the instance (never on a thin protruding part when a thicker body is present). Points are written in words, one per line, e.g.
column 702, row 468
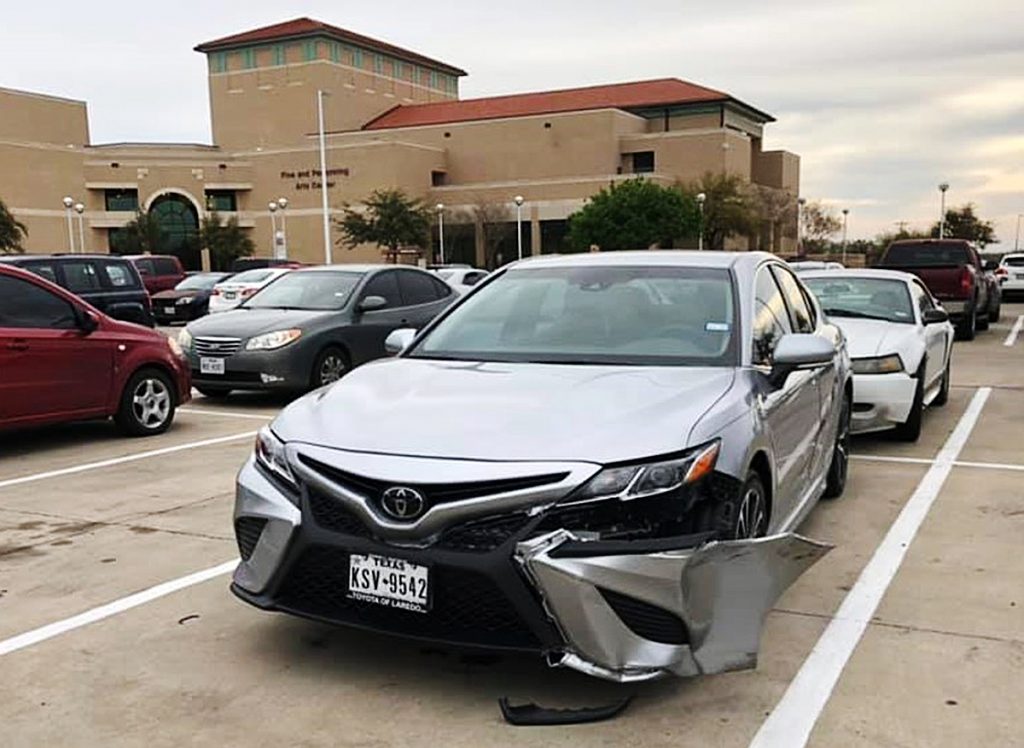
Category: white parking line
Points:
column 224, row 414
column 790, row 723
column 121, row 460
column 925, row 461
column 991, row 466
column 105, row 611
column 1017, row 327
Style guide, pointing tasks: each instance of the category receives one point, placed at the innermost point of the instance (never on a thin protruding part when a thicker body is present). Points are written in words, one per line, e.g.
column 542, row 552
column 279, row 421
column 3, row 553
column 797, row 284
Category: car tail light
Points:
column 1001, row 271
column 215, row 292
column 966, row 280
column 248, row 292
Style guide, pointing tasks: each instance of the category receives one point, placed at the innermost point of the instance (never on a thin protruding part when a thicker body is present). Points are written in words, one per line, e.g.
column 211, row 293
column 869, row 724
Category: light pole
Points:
column 800, row 203
column 282, row 204
column 80, row 209
column 69, row 203
column 519, row 223
column 942, row 210
column 272, row 207
column 440, row 228
column 846, row 213
column 701, row 199
column 323, row 174
column 1016, row 241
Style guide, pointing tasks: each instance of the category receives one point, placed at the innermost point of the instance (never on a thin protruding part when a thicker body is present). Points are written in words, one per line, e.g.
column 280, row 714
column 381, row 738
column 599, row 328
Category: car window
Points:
column 471, row 279
column 441, row 288
column 1014, row 262
column 80, row 276
column 417, row 288
column 26, row 305
column 119, row 275
column 321, row 290
column 799, row 314
column 922, row 296
column 928, row 254
column 251, row 276
column 771, row 321
column 200, row 282
column 860, row 297
column 165, row 266
column 145, row 266
column 43, row 270
column 384, row 285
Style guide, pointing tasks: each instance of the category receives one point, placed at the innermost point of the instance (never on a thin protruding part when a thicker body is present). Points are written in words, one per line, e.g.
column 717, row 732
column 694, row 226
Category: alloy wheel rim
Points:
column 752, row 516
column 151, row 403
column 331, row 369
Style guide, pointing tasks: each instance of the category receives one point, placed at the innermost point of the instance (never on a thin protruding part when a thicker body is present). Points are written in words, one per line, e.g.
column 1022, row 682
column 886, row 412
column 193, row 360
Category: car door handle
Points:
column 17, row 345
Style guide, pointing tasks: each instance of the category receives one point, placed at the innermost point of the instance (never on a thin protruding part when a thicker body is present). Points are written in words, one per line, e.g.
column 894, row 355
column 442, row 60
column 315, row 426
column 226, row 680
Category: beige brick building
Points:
column 393, row 119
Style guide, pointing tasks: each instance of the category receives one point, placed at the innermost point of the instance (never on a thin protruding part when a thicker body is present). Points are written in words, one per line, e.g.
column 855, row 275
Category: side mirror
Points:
column 935, row 316
column 799, row 351
column 88, row 322
column 399, row 340
column 372, row 303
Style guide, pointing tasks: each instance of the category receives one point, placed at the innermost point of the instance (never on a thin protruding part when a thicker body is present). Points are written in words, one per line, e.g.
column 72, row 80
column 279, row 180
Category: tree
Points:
column 777, row 212
column 226, row 241
column 12, row 231
column 819, row 224
column 140, row 235
column 729, row 209
column 491, row 220
column 390, row 219
column 635, row 214
column 962, row 223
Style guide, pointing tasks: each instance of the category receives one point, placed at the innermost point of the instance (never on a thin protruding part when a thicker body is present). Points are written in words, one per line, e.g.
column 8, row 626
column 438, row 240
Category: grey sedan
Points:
column 600, row 458
column 309, row 327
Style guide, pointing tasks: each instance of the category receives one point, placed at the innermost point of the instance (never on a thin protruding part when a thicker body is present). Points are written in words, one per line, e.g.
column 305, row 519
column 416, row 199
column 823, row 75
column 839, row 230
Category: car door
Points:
column 369, row 330
column 936, row 336
column 51, row 369
column 423, row 296
column 791, row 410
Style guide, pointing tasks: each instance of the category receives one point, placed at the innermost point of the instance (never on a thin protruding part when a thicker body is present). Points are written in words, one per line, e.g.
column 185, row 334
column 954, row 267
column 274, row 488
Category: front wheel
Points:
column 329, row 367
column 943, row 397
column 147, row 404
column 996, row 314
column 835, row 483
column 968, row 325
column 910, row 430
column 742, row 516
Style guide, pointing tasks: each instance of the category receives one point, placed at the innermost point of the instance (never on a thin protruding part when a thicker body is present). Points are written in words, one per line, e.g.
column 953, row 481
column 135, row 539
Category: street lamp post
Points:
column 800, row 203
column 519, row 222
column 69, row 203
column 80, row 209
column 440, row 228
column 701, row 199
column 942, row 210
column 282, row 204
column 323, row 175
column 846, row 213
column 1016, row 241
column 272, row 207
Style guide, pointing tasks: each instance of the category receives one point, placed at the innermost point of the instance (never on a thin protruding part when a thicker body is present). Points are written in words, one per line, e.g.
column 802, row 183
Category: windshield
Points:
column 594, row 315
column 1014, row 262
column 928, row 254
column 251, row 276
column 199, row 282
column 867, row 298
column 322, row 290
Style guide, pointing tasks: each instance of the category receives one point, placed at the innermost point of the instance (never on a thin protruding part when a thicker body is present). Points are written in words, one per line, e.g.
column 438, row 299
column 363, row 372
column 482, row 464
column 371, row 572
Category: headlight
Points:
column 272, row 340
column 270, row 454
column 880, row 365
column 185, row 300
column 639, row 481
column 185, row 340
column 175, row 347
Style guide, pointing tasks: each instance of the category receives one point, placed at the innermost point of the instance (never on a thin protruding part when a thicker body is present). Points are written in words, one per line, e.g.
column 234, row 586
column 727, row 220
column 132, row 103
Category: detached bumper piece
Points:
column 531, row 715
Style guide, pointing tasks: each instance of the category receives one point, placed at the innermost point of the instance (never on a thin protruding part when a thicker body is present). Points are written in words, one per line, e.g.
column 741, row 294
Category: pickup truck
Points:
column 953, row 271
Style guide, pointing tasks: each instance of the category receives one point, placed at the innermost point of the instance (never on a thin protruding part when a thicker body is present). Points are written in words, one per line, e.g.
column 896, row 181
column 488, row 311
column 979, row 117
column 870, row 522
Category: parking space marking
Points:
column 29, row 638
column 1017, row 327
column 925, row 461
column 991, row 466
column 790, row 724
column 224, row 414
column 127, row 458
column 887, row 458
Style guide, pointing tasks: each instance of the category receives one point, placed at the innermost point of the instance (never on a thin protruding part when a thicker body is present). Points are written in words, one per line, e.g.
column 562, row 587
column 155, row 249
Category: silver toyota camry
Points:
column 602, row 459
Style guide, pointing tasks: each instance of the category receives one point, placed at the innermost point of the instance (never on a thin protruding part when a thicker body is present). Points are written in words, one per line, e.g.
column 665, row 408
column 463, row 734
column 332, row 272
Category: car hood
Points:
column 871, row 337
column 508, row 412
column 244, row 323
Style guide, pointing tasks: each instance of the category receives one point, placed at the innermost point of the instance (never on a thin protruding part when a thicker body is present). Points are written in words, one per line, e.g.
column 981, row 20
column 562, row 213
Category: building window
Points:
column 378, row 65
column 221, row 201
column 357, row 57
column 438, row 178
column 219, row 62
column 433, row 79
column 643, row 162
column 121, row 200
column 396, row 67
column 279, row 56
column 335, row 52
column 309, row 51
column 248, row 58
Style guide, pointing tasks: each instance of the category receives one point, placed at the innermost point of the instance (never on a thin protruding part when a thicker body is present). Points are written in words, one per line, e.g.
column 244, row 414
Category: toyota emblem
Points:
column 403, row 503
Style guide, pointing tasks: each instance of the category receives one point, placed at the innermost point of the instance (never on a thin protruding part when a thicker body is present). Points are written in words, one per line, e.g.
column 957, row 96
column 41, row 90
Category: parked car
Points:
column 953, row 272
column 1011, row 273
column 111, row 284
column 242, row 264
column 188, row 300
column 546, row 466
column 808, row 266
column 901, row 345
column 64, row 360
column 231, row 292
column 159, row 272
column 309, row 327
column 461, row 279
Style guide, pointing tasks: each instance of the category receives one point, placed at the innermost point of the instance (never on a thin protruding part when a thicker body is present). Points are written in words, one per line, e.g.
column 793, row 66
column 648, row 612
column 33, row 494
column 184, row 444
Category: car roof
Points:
column 358, row 267
column 877, row 273
column 61, row 256
column 652, row 258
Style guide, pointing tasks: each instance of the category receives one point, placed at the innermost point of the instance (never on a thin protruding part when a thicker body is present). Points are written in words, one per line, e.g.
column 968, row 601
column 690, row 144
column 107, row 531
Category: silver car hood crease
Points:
column 507, row 412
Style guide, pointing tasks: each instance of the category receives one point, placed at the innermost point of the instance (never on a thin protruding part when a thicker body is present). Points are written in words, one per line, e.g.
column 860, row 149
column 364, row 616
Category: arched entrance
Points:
column 179, row 227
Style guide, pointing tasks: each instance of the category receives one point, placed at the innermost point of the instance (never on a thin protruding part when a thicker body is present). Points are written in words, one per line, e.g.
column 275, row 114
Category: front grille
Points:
column 646, row 620
column 434, row 493
column 481, row 536
column 467, row 607
column 222, row 347
column 247, row 534
column 331, row 514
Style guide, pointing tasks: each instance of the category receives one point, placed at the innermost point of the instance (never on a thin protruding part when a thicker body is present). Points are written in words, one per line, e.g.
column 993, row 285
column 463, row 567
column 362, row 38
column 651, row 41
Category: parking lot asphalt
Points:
column 88, row 520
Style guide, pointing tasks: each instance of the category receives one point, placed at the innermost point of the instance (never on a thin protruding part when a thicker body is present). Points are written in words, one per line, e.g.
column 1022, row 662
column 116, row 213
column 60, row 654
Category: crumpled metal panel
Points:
column 721, row 591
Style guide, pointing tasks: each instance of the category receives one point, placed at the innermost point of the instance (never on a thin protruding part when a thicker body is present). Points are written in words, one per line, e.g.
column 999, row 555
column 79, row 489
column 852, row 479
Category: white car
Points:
column 461, row 279
column 238, row 288
column 810, row 266
column 1011, row 273
column 900, row 342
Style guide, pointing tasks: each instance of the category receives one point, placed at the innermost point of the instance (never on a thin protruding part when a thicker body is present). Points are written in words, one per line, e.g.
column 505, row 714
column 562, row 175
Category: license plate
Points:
column 211, row 365
column 390, row 582
column 169, row 311
column 1020, row 276
column 229, row 295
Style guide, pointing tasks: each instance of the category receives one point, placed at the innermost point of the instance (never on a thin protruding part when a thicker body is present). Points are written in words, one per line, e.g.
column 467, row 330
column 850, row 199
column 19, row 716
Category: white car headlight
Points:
column 270, row 455
column 273, row 340
column 890, row 364
column 185, row 340
column 185, row 300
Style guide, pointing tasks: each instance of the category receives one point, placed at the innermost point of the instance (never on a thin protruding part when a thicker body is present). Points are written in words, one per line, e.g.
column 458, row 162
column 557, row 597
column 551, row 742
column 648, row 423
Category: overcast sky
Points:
column 882, row 99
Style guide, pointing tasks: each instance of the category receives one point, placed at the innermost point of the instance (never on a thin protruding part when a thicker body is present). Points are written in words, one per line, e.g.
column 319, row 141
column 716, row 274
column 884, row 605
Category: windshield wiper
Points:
column 858, row 315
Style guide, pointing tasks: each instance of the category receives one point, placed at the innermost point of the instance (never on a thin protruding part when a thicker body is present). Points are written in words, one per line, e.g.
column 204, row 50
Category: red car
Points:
column 63, row 360
column 159, row 272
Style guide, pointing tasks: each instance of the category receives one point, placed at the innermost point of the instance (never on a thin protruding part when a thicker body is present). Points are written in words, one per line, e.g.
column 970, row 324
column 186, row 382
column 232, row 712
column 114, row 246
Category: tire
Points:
column 214, row 393
column 910, row 430
column 996, row 314
column 741, row 516
column 982, row 323
column 838, row 469
column 967, row 327
column 331, row 364
column 943, row 397
column 147, row 404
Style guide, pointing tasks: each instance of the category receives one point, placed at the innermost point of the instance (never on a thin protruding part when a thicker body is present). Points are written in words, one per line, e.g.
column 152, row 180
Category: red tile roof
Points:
column 307, row 27
column 641, row 94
